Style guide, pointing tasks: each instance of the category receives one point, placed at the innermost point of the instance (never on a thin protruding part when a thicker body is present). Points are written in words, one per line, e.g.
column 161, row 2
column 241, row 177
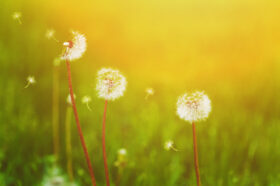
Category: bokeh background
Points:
column 228, row 48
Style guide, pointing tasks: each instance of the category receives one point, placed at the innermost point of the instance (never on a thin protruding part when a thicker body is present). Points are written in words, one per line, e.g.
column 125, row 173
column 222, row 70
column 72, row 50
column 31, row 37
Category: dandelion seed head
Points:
column 86, row 99
column 50, row 33
column 31, row 80
column 150, row 91
column 194, row 106
column 168, row 145
column 111, row 84
column 69, row 100
column 16, row 15
column 75, row 48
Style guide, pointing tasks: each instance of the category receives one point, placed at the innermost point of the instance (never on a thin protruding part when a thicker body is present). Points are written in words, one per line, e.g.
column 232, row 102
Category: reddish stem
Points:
column 104, row 145
column 78, row 124
column 195, row 156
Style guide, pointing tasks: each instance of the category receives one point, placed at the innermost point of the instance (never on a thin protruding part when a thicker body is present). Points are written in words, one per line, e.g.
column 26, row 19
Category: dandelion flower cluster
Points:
column 194, row 106
column 75, row 48
column 111, row 84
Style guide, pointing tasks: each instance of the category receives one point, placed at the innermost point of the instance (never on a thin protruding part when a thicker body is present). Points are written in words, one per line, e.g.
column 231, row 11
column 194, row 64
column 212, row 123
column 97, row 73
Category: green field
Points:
column 238, row 145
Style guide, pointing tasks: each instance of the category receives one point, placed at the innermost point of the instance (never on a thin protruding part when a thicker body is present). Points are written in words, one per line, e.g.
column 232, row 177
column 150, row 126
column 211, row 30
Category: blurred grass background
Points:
column 230, row 49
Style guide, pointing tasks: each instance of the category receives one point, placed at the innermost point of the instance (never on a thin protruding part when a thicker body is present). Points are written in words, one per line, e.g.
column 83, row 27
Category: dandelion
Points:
column 50, row 34
column 17, row 16
column 120, row 163
column 169, row 145
column 194, row 107
column 111, row 85
column 149, row 92
column 74, row 49
column 30, row 81
column 86, row 100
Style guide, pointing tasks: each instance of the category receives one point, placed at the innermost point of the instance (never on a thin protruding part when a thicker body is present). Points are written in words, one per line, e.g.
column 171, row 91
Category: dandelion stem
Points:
column 195, row 156
column 78, row 123
column 68, row 143
column 104, row 145
column 55, row 112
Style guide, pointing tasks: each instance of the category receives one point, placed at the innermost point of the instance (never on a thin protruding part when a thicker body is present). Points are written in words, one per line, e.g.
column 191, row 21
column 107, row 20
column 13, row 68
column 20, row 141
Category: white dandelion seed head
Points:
column 194, row 106
column 111, row 84
column 31, row 79
column 86, row 99
column 50, row 33
column 75, row 48
column 150, row 91
column 122, row 151
column 16, row 15
column 68, row 99
column 168, row 145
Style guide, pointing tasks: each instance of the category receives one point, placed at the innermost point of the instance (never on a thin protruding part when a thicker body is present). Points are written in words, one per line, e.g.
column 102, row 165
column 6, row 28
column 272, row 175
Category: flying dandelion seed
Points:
column 194, row 107
column 86, row 100
column 75, row 48
column 169, row 145
column 17, row 16
column 50, row 34
column 111, row 84
column 149, row 92
column 30, row 81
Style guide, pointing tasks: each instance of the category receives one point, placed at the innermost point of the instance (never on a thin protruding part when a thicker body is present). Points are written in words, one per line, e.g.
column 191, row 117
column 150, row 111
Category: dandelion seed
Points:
column 168, row 145
column 193, row 107
column 17, row 16
column 86, row 100
column 50, row 34
column 111, row 84
column 30, row 81
column 149, row 92
column 75, row 48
